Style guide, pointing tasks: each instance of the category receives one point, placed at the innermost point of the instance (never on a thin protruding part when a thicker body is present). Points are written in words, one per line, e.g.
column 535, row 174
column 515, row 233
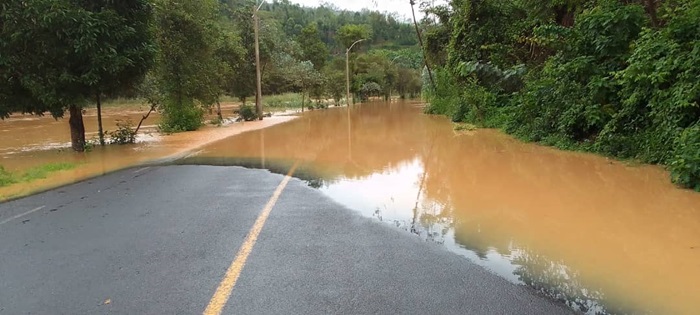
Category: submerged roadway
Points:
column 229, row 240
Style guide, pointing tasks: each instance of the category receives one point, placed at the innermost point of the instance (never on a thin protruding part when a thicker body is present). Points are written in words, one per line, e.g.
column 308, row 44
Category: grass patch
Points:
column 287, row 100
column 6, row 178
column 43, row 171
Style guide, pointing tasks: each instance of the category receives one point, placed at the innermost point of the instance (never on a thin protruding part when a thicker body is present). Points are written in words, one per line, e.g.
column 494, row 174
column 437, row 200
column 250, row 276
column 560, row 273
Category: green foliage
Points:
column 190, row 65
column 58, row 54
column 287, row 100
column 607, row 76
column 685, row 164
column 334, row 84
column 125, row 133
column 236, row 15
column 388, row 31
column 6, row 178
column 43, row 171
column 660, row 88
column 182, row 116
column 408, row 83
column 350, row 33
column 446, row 98
column 247, row 113
column 314, row 50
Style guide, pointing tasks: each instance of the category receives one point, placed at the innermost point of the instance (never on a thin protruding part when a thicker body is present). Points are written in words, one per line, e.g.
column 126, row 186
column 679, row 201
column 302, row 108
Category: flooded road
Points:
column 601, row 236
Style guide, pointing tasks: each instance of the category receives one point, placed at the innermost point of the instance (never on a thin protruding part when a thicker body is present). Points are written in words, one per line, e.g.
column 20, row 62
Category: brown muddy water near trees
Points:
column 597, row 234
column 29, row 141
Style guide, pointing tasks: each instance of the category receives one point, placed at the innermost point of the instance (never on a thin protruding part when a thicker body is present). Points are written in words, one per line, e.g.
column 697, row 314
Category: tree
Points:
column 408, row 83
column 314, row 49
column 348, row 34
column 188, row 70
column 135, row 50
column 334, row 83
column 238, row 14
column 305, row 77
column 230, row 55
column 56, row 55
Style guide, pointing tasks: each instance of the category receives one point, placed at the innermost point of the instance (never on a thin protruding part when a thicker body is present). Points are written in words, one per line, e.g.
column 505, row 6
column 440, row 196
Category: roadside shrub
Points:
column 179, row 117
column 445, row 98
column 247, row 113
column 685, row 166
column 125, row 133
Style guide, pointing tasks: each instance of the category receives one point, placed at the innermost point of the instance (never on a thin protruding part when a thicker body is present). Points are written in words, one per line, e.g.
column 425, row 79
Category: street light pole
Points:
column 347, row 72
column 258, row 95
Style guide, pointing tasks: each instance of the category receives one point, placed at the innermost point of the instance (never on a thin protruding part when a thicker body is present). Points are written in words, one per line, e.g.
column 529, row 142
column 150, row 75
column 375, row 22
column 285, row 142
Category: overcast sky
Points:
column 402, row 7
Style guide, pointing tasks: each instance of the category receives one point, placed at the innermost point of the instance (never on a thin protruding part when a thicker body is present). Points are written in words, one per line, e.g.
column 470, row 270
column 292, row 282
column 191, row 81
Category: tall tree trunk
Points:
column 422, row 48
column 218, row 111
column 651, row 7
column 77, row 128
column 100, row 131
column 302, row 102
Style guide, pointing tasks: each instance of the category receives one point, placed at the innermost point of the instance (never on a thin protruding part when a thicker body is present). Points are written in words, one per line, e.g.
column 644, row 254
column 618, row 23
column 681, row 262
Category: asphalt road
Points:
column 160, row 240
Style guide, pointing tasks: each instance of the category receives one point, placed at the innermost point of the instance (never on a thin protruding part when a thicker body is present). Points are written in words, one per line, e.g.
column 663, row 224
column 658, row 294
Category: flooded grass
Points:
column 41, row 172
column 38, row 172
column 6, row 178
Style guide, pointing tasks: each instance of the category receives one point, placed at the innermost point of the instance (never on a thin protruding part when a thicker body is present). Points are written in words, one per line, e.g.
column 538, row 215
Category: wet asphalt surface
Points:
column 159, row 240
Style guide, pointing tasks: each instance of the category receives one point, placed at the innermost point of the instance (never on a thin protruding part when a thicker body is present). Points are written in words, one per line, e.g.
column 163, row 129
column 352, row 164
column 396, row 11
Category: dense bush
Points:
column 247, row 113
column 607, row 76
column 685, row 164
column 181, row 117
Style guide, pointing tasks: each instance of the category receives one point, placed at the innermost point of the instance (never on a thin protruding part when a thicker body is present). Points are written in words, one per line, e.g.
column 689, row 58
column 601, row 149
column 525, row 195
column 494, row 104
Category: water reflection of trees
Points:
column 499, row 201
column 556, row 279
column 379, row 137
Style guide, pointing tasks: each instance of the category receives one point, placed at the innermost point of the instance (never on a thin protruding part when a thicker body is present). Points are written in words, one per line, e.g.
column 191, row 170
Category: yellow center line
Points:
column 223, row 292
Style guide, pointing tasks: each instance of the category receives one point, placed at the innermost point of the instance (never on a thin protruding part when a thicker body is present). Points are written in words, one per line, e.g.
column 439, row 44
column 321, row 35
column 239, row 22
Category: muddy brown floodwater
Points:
column 29, row 141
column 599, row 235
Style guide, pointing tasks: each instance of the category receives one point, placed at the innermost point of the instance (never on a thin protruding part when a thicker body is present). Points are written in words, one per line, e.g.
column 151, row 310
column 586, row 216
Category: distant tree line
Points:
column 183, row 56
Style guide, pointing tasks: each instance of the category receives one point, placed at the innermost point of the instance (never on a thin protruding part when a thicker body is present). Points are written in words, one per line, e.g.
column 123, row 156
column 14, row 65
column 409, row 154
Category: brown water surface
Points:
column 30, row 141
column 597, row 234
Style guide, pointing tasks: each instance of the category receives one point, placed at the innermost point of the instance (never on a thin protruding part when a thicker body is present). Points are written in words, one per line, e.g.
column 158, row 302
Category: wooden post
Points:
column 422, row 48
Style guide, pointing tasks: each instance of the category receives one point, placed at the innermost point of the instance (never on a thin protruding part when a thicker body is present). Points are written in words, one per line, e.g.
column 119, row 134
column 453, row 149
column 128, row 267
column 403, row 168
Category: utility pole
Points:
column 258, row 94
column 347, row 71
column 422, row 48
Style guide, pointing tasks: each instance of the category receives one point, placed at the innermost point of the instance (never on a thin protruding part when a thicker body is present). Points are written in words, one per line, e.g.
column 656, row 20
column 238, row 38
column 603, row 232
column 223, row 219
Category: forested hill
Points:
column 387, row 30
column 620, row 78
